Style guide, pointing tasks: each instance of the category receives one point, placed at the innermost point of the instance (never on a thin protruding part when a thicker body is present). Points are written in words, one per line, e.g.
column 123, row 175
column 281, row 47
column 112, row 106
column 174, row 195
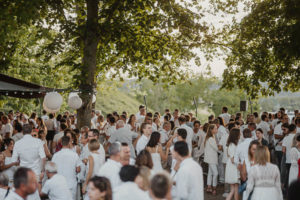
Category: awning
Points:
column 13, row 87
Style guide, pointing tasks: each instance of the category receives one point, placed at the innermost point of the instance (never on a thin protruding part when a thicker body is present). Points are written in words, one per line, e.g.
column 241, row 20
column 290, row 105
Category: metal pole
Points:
column 146, row 104
column 196, row 107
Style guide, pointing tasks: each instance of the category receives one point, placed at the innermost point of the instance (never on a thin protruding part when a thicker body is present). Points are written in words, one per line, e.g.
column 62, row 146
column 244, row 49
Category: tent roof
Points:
column 13, row 87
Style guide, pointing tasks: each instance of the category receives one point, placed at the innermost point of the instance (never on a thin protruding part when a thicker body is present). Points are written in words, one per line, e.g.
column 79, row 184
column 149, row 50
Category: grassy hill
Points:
column 116, row 100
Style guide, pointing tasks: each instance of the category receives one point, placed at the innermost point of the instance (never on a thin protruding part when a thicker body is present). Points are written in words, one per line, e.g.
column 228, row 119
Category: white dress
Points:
column 97, row 163
column 294, row 170
column 157, row 167
column 10, row 171
column 264, row 181
column 232, row 174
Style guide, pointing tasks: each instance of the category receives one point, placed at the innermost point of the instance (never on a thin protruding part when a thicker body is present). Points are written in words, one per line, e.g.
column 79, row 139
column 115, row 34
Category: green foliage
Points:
column 264, row 54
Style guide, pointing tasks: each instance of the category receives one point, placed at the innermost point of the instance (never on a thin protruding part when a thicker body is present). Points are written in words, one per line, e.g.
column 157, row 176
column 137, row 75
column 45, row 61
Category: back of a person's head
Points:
column 225, row 109
column 294, row 190
column 182, row 133
column 160, row 185
column 182, row 119
column 95, row 132
column 144, row 159
column 181, row 148
column 154, row 139
column 262, row 155
column 247, row 133
column 51, row 116
column 3, row 179
column 114, row 149
column 51, row 167
column 63, row 126
column 94, row 145
column 292, row 128
column 65, row 141
column 18, row 127
column 27, row 129
column 128, row 173
column 21, row 176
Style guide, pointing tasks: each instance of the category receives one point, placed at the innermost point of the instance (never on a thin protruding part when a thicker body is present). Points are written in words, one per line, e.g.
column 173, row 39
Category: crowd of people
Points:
column 149, row 156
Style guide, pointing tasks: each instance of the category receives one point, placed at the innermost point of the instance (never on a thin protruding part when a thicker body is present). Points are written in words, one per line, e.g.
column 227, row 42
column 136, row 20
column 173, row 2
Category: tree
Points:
column 264, row 54
column 143, row 38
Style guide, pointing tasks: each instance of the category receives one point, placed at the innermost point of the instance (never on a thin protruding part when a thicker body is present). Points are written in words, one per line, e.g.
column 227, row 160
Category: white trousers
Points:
column 212, row 176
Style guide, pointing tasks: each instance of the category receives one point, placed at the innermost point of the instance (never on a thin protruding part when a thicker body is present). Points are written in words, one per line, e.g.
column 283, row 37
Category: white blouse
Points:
column 211, row 151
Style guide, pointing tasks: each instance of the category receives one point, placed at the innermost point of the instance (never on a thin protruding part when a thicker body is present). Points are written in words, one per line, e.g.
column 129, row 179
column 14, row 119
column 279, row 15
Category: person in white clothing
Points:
column 225, row 115
column 68, row 164
column 56, row 187
column 146, row 130
column 266, row 128
column 129, row 189
column 123, row 135
column 211, row 158
column 295, row 156
column 264, row 177
column 4, row 188
column 164, row 133
column 232, row 174
column 112, row 167
column 25, row 184
column 189, row 179
column 189, row 130
column 160, row 186
column 30, row 152
column 242, row 149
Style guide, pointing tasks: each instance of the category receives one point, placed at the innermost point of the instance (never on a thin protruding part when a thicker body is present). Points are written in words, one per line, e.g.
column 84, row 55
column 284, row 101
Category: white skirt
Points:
column 266, row 193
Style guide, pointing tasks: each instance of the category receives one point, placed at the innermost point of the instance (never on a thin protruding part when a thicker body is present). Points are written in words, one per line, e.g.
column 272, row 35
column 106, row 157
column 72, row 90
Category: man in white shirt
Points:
column 175, row 118
column 160, row 186
column 68, row 164
column 189, row 178
column 129, row 189
column 18, row 132
column 7, row 128
column 112, row 126
column 286, row 149
column 25, row 184
column 123, row 135
column 44, row 116
column 30, row 152
column 278, row 138
column 140, row 116
column 225, row 115
column 146, row 130
column 242, row 149
column 189, row 130
column 265, row 127
column 164, row 133
column 112, row 167
column 56, row 187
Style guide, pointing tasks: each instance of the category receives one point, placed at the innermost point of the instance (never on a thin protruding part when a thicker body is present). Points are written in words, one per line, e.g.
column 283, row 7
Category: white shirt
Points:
column 130, row 190
column 226, row 117
column 164, row 136
column 45, row 117
column 242, row 151
column 221, row 131
column 287, row 143
column 57, row 188
column 278, row 131
column 13, row 196
column 141, row 143
column 189, row 180
column 124, row 135
column 111, row 170
column 265, row 127
column 86, row 152
column 2, row 193
column 66, row 161
column 30, row 151
column 211, row 151
column 189, row 137
column 16, row 137
column 111, row 130
column 223, row 143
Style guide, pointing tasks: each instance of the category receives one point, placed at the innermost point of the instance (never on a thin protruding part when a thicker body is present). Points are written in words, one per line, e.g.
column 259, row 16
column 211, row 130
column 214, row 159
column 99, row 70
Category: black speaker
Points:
column 243, row 105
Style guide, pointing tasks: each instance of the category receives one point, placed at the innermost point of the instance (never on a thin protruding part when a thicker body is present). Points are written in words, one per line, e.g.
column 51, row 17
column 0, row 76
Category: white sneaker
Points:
column 225, row 194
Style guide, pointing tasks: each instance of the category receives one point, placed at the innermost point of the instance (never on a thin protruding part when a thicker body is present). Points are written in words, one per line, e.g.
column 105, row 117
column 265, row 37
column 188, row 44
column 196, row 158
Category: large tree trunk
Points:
column 88, row 70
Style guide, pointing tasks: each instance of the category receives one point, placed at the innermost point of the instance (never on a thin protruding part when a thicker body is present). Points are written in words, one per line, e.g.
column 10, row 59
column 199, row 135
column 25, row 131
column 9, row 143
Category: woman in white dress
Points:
column 211, row 158
column 9, row 167
column 157, row 152
column 232, row 174
column 264, row 177
column 295, row 156
column 94, row 163
column 247, row 164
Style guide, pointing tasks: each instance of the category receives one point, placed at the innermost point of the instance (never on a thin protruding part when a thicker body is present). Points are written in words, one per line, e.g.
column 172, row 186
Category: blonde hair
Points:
column 94, row 145
column 262, row 155
column 145, row 175
column 209, row 132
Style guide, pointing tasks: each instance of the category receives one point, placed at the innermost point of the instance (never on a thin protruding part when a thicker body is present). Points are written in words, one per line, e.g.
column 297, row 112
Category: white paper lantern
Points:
column 72, row 94
column 75, row 102
column 94, row 98
column 49, row 110
column 53, row 101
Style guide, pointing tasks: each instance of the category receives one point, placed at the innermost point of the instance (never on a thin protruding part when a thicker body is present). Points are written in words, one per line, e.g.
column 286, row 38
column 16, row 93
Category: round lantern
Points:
column 94, row 98
column 53, row 101
column 75, row 102
column 49, row 110
column 72, row 94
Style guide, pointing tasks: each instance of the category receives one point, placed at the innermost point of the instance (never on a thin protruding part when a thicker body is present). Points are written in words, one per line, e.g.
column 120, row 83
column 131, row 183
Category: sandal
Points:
column 208, row 190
